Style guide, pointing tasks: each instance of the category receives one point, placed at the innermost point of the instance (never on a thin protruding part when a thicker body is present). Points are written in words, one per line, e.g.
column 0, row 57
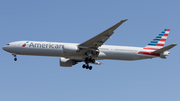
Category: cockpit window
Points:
column 8, row 44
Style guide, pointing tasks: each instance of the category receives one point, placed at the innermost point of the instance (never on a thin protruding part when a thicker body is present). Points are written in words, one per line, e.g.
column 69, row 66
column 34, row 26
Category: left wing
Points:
column 101, row 38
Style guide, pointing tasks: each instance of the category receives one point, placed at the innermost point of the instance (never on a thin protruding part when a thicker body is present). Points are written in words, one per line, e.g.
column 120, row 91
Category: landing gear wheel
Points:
column 84, row 66
column 90, row 67
column 88, row 60
column 15, row 59
column 14, row 54
column 87, row 67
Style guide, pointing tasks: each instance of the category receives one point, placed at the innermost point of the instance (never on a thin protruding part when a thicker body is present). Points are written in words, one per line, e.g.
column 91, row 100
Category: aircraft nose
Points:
column 8, row 48
column 4, row 48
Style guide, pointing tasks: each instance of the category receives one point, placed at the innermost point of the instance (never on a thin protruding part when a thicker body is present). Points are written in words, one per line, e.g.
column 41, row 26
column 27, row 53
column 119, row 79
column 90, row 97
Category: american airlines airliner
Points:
column 92, row 50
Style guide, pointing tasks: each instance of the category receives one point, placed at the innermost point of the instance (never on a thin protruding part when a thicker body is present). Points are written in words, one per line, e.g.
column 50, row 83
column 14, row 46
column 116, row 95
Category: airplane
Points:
column 92, row 50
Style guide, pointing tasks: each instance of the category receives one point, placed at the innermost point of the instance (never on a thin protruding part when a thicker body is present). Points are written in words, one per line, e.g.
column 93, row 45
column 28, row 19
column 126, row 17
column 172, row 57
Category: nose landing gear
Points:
column 15, row 58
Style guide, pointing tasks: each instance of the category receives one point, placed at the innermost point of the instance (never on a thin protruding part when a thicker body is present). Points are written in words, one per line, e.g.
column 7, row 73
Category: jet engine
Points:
column 64, row 62
column 70, row 48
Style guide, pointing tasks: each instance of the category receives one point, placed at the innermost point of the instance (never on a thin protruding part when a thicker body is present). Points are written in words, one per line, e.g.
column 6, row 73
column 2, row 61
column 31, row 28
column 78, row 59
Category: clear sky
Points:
column 34, row 78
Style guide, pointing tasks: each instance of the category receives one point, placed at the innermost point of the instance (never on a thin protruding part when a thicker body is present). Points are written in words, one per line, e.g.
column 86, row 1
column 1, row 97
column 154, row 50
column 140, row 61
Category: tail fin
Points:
column 159, row 41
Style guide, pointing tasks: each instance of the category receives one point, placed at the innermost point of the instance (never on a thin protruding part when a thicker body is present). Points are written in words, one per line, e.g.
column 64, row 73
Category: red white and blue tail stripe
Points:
column 159, row 41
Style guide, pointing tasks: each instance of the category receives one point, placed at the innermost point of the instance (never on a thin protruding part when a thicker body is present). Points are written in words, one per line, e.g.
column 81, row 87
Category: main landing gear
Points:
column 15, row 58
column 87, row 66
column 87, row 61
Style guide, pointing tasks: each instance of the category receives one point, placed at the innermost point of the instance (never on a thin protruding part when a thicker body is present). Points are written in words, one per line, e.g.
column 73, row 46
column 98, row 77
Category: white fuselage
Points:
column 38, row 48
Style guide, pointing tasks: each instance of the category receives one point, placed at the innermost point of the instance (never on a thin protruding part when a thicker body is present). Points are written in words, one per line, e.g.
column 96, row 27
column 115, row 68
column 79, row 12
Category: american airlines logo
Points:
column 43, row 45
column 25, row 44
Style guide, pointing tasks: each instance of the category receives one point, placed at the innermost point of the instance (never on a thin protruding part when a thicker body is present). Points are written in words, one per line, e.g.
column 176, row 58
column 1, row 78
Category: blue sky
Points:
column 34, row 78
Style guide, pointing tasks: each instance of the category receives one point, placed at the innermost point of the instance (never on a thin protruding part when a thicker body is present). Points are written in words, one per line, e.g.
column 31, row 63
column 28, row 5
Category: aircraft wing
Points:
column 101, row 38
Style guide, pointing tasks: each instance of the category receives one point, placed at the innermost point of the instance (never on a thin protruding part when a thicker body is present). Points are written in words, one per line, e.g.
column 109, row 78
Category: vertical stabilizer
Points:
column 159, row 41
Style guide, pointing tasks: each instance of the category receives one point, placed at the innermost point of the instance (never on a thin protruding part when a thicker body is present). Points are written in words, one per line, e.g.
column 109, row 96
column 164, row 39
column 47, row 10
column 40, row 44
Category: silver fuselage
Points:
column 38, row 48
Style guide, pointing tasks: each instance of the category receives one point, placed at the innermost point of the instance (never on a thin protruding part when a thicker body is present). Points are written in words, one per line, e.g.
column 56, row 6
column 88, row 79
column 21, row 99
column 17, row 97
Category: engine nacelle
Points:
column 64, row 62
column 70, row 48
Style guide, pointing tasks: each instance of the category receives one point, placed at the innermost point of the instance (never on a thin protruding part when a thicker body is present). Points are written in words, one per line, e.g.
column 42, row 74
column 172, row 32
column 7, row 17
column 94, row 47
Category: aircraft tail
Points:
column 156, row 46
column 159, row 41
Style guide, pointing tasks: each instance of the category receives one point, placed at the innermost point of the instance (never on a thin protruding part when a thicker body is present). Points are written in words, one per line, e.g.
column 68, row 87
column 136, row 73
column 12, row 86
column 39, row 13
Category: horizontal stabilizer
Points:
column 164, row 48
